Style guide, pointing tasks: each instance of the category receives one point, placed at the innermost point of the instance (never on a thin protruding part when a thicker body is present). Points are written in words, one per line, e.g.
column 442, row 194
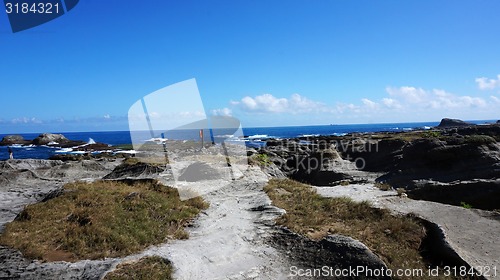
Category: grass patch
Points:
column 124, row 146
column 143, row 269
column 465, row 205
column 156, row 160
column 395, row 239
column 476, row 139
column 260, row 160
column 101, row 219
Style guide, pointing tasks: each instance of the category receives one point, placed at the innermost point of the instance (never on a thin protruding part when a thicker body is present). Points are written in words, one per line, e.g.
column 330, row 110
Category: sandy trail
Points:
column 228, row 240
column 473, row 234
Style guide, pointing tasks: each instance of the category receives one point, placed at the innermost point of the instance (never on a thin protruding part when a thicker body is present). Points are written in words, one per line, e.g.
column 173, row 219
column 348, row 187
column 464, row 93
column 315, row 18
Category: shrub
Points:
column 465, row 205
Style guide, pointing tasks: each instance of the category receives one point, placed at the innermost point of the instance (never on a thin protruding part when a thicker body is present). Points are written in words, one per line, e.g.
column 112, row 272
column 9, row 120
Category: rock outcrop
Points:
column 13, row 139
column 335, row 251
column 446, row 122
column 46, row 138
column 452, row 165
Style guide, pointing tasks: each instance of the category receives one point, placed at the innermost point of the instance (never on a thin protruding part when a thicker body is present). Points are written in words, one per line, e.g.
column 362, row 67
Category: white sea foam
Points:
column 157, row 140
column 256, row 136
column 64, row 150
column 126, row 152
column 91, row 141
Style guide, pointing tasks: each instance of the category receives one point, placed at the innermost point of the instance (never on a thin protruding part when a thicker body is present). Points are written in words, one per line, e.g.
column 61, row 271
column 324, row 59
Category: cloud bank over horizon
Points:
column 415, row 103
column 396, row 104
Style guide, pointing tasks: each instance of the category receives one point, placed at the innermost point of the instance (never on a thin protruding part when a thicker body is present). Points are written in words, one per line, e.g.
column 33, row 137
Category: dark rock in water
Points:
column 498, row 122
column 452, row 123
column 199, row 171
column 13, row 139
column 46, row 138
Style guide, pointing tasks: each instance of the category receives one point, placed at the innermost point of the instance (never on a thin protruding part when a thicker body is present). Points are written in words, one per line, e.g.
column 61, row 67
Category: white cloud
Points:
column 107, row 116
column 409, row 94
column 411, row 97
column 495, row 99
column 26, row 120
column 391, row 103
column 222, row 112
column 369, row 104
column 267, row 103
column 487, row 84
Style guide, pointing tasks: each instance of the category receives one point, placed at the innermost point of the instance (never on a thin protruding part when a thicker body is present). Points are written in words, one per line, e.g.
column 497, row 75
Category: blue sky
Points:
column 269, row 63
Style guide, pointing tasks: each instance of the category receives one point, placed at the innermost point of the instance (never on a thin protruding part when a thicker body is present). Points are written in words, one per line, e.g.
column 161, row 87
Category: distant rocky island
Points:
column 50, row 139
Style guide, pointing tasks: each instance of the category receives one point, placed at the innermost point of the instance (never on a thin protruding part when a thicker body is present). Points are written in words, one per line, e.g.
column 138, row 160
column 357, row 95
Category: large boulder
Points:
column 446, row 122
column 13, row 139
column 46, row 138
column 476, row 158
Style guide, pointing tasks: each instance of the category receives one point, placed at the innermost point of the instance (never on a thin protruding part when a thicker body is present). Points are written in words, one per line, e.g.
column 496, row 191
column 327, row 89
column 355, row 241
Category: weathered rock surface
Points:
column 439, row 165
column 46, row 138
column 28, row 181
column 446, row 122
column 467, row 234
column 139, row 170
column 14, row 266
column 13, row 139
column 333, row 251
column 316, row 162
column 433, row 158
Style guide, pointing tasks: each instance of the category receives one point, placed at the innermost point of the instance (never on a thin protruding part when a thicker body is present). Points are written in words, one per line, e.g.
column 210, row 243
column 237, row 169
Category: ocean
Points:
column 253, row 136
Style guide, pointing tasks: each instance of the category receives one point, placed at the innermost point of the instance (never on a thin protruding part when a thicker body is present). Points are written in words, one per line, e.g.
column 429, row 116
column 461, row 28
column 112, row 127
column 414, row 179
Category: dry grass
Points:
column 396, row 240
column 383, row 186
column 143, row 269
column 101, row 219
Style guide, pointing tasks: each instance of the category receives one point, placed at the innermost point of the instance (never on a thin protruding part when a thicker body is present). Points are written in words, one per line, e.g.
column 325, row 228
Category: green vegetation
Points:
column 260, row 159
column 156, row 160
column 143, row 269
column 431, row 134
column 124, row 146
column 395, row 239
column 479, row 139
column 465, row 205
column 101, row 219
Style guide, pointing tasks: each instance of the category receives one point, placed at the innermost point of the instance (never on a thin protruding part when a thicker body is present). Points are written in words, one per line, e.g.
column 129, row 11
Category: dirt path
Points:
column 228, row 240
column 473, row 234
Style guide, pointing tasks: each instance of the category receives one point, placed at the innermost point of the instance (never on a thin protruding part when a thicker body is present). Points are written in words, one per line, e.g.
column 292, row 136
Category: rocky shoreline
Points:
column 448, row 165
column 238, row 235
